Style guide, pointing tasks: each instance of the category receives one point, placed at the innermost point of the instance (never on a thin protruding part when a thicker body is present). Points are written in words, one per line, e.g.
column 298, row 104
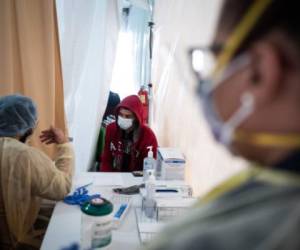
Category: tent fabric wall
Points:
column 88, row 33
column 131, row 69
column 178, row 120
column 30, row 60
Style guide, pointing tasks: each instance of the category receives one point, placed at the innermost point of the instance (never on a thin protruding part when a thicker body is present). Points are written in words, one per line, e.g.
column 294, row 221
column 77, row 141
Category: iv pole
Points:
column 150, row 86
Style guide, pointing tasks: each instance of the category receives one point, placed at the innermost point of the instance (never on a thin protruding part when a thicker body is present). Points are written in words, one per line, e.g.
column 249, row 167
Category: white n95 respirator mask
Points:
column 224, row 131
column 125, row 123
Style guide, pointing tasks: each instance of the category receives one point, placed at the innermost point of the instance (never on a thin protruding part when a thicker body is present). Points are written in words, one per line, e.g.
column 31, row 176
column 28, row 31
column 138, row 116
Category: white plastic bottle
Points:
column 149, row 202
column 96, row 224
column 149, row 164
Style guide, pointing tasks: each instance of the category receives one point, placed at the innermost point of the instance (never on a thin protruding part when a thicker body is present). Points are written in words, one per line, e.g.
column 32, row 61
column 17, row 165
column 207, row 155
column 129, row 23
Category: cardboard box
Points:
column 170, row 164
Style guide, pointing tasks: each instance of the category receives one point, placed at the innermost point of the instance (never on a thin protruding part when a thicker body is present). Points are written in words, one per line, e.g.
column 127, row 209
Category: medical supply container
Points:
column 96, row 224
column 170, row 164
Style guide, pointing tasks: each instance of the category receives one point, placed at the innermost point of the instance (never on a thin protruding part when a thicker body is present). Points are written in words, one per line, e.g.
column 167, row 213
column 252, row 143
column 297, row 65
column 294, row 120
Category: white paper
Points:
column 99, row 179
column 108, row 179
column 79, row 181
column 171, row 154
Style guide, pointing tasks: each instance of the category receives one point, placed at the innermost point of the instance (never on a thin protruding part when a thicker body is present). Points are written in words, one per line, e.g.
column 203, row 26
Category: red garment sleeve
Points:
column 106, row 155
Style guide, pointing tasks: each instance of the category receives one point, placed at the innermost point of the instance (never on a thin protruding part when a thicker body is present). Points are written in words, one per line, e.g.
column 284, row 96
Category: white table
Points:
column 64, row 226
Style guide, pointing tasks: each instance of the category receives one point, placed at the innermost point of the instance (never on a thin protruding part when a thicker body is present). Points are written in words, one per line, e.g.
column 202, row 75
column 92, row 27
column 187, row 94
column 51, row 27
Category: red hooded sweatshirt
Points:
column 122, row 154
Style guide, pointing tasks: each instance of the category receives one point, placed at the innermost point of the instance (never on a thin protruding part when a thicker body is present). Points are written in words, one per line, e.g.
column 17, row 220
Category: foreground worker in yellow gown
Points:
column 26, row 174
column 249, row 87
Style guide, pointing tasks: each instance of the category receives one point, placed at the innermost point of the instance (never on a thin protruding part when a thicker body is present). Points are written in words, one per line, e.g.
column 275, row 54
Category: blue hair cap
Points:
column 18, row 114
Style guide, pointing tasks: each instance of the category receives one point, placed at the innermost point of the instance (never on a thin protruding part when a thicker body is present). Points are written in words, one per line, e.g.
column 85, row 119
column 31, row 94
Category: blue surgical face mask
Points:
column 223, row 131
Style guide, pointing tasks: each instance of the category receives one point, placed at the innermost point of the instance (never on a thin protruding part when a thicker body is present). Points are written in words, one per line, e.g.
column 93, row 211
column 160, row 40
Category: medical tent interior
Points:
column 67, row 55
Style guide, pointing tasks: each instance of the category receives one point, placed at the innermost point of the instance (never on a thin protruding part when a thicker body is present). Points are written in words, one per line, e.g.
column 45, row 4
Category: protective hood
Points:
column 134, row 104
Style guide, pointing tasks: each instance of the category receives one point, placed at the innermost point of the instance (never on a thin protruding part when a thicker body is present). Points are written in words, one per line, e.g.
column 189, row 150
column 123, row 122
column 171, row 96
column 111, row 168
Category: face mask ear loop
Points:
column 247, row 107
column 236, row 65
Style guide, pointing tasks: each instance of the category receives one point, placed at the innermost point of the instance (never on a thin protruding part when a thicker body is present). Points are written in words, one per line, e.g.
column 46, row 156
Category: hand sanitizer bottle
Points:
column 149, row 163
column 149, row 202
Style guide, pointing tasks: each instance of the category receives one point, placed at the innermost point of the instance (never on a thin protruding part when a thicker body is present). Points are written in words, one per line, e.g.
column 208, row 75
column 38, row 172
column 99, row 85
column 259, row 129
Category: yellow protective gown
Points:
column 26, row 176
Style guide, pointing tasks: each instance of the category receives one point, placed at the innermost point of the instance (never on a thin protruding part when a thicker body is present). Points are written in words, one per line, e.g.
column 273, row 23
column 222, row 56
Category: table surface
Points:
column 64, row 226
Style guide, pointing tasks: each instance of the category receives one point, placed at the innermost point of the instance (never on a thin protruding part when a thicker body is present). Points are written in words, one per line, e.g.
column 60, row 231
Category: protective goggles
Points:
column 213, row 64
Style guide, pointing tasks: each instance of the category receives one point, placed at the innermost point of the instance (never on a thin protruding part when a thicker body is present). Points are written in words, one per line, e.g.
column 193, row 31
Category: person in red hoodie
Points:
column 127, row 140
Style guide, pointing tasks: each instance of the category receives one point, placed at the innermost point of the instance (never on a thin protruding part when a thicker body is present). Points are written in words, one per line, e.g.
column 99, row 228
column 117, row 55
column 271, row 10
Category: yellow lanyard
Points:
column 268, row 139
column 240, row 33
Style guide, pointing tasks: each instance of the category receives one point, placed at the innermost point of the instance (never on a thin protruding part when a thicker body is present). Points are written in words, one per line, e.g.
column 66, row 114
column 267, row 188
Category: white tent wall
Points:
column 178, row 120
column 131, row 69
column 88, row 32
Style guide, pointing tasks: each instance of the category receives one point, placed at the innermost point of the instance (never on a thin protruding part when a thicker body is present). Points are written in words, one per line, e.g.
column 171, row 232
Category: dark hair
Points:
column 282, row 15
column 25, row 136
